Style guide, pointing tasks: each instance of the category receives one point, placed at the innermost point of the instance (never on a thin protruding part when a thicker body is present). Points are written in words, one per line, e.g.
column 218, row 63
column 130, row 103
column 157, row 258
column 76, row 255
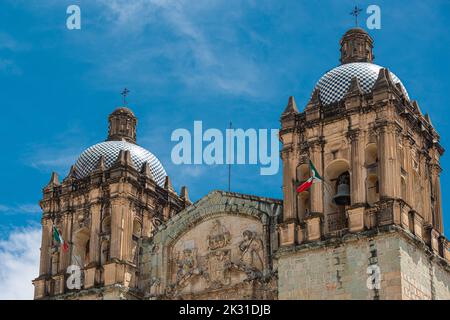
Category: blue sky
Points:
column 215, row 61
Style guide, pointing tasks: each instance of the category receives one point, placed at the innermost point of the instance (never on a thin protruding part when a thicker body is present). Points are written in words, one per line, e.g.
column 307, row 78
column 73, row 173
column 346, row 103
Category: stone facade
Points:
column 370, row 229
column 102, row 217
column 221, row 248
column 340, row 268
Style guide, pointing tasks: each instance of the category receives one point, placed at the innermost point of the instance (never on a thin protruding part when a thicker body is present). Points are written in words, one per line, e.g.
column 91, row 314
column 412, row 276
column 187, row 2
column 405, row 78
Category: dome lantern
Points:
column 356, row 46
column 122, row 125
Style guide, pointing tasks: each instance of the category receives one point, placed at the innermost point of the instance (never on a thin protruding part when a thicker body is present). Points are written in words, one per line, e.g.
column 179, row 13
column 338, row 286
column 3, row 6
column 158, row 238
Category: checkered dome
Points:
column 334, row 84
column 90, row 157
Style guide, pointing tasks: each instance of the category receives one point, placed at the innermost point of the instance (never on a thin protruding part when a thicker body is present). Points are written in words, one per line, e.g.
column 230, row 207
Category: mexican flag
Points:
column 58, row 238
column 315, row 177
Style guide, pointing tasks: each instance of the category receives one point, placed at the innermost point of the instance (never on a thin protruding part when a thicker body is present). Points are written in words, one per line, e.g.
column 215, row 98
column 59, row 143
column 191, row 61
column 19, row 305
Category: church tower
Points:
column 116, row 194
column 376, row 209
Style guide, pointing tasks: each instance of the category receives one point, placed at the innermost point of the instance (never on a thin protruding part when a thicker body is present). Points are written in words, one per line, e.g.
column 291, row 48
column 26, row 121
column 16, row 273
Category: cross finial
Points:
column 355, row 12
column 124, row 93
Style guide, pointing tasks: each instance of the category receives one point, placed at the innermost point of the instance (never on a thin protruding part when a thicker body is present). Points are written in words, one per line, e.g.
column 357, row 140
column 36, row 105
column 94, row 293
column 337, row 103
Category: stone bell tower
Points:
column 116, row 194
column 377, row 212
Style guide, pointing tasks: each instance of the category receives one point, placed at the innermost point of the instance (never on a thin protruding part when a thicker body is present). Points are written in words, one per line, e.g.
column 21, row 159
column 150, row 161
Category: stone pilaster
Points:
column 316, row 198
column 64, row 259
column 94, row 242
column 436, row 184
column 44, row 267
column 407, row 145
column 117, row 227
column 289, row 196
column 387, row 155
column 357, row 178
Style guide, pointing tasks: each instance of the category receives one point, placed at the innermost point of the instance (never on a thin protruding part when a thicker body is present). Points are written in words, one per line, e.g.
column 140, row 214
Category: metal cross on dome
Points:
column 355, row 12
column 124, row 93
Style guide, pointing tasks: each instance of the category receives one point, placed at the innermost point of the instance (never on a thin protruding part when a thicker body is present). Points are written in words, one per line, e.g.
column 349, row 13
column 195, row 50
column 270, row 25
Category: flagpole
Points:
column 229, row 160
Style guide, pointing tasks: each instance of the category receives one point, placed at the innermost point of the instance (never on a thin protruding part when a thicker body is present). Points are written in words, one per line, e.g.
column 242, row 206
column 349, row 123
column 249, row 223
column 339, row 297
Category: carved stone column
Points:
column 357, row 179
column 94, row 242
column 64, row 260
column 316, row 198
column 289, row 167
column 117, row 226
column 44, row 267
column 436, row 185
column 426, row 181
column 387, row 155
column 408, row 143
column 287, row 230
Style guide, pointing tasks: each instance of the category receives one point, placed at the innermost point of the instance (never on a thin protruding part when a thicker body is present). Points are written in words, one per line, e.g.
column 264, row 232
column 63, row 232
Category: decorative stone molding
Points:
column 418, row 226
column 313, row 227
column 435, row 241
column 89, row 277
column 355, row 219
column 287, row 234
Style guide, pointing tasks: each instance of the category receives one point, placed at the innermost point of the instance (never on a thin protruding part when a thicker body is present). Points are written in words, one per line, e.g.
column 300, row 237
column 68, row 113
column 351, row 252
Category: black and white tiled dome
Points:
column 334, row 84
column 90, row 157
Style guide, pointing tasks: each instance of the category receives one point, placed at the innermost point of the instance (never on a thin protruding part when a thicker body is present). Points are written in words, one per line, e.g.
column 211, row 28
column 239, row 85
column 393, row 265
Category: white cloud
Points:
column 20, row 208
column 194, row 55
column 19, row 263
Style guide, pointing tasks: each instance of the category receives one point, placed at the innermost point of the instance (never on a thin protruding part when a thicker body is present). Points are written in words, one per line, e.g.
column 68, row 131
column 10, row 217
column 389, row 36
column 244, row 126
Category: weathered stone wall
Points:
column 422, row 278
column 219, row 248
column 338, row 269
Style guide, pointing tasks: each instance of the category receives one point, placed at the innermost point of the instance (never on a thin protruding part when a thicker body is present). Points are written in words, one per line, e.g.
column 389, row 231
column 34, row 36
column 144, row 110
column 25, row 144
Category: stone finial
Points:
column 416, row 107
column 168, row 184
column 54, row 180
column 291, row 106
column 184, row 194
column 121, row 158
column 72, row 172
column 315, row 99
column 124, row 158
column 400, row 89
column 384, row 80
column 127, row 157
column 146, row 171
column 100, row 164
column 428, row 119
column 355, row 88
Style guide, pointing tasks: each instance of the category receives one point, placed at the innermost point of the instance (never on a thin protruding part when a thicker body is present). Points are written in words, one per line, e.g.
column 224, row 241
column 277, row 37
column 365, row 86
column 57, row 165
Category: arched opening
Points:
column 372, row 181
column 303, row 204
column 80, row 253
column 372, row 189
column 337, row 194
column 137, row 230
column 417, row 192
column 371, row 154
column 104, row 254
column 403, row 188
column 106, row 224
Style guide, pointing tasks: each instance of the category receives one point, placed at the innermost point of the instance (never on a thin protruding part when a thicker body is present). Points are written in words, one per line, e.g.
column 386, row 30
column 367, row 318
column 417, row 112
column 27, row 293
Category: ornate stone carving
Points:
column 217, row 267
column 218, row 237
column 251, row 250
column 186, row 263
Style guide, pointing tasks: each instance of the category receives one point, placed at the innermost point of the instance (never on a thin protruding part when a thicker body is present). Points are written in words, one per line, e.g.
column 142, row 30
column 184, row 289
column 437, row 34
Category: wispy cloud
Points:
column 7, row 42
column 20, row 208
column 188, row 51
column 19, row 263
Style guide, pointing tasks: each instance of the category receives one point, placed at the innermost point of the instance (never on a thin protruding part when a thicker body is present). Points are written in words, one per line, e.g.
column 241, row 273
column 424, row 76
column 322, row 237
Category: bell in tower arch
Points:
column 342, row 196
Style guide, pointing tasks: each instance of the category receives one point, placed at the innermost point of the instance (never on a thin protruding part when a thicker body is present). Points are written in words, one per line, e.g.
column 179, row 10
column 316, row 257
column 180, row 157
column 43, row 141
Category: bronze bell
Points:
column 342, row 196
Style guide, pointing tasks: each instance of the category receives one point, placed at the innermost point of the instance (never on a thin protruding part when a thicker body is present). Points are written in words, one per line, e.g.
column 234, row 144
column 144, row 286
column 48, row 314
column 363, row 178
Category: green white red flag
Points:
column 58, row 238
column 315, row 177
